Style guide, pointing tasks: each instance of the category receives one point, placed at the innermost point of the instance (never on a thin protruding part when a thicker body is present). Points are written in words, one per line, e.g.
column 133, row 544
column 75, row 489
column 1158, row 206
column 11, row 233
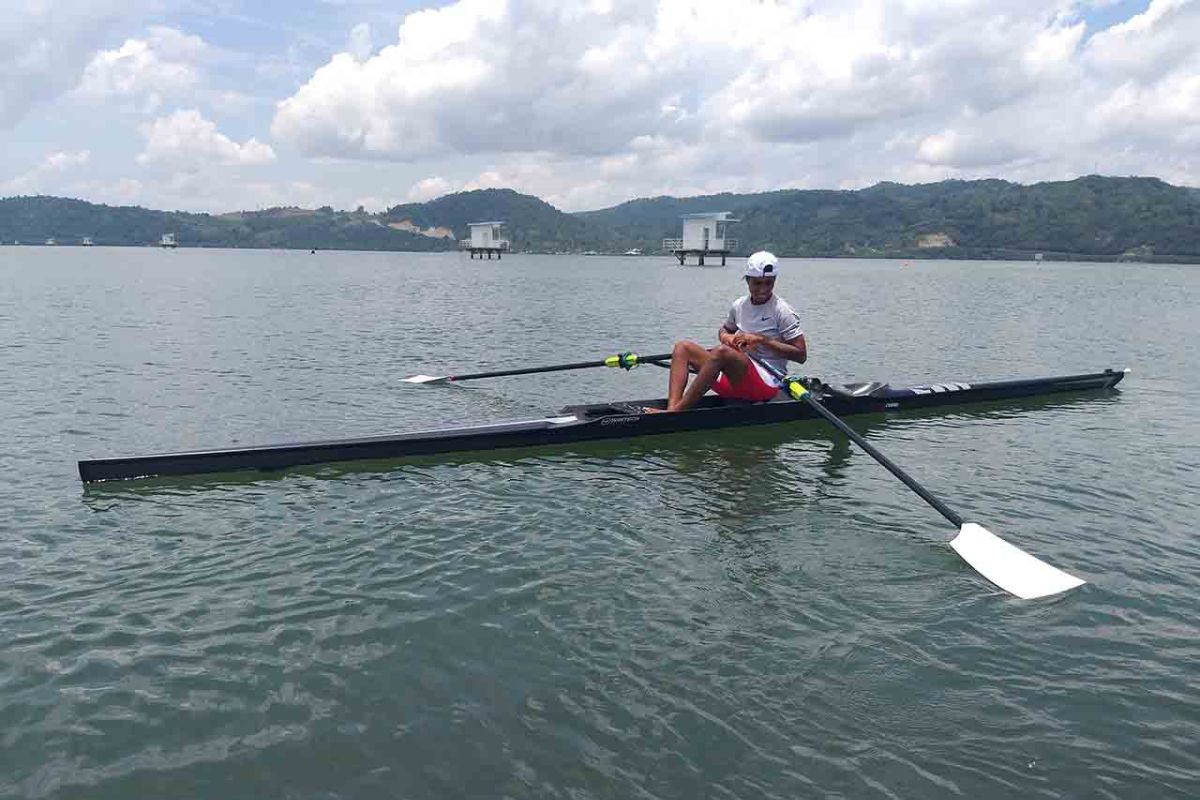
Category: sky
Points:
column 220, row 105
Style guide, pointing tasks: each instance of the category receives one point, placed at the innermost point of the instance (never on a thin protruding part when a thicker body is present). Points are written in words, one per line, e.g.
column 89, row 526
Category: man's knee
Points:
column 688, row 350
column 726, row 354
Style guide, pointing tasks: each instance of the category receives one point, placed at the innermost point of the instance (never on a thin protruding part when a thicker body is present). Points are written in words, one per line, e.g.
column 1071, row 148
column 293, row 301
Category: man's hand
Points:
column 743, row 340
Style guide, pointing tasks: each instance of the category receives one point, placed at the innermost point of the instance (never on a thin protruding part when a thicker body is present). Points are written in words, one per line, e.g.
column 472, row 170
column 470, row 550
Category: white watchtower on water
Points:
column 703, row 234
column 486, row 237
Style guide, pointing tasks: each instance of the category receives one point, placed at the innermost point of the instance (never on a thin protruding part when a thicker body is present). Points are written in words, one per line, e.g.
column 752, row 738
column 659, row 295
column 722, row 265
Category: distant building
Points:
column 1038, row 257
column 486, row 238
column 167, row 240
column 703, row 234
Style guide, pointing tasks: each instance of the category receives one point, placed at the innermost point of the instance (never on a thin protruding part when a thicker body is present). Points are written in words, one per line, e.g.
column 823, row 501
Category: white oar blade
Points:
column 1008, row 566
column 427, row 379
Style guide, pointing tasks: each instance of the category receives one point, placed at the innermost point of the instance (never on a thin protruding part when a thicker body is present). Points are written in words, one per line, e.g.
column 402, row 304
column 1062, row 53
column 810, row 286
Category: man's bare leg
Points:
column 684, row 356
column 708, row 363
column 724, row 358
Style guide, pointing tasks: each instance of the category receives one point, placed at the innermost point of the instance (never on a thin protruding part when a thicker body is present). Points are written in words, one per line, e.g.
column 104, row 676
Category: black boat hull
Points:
column 587, row 423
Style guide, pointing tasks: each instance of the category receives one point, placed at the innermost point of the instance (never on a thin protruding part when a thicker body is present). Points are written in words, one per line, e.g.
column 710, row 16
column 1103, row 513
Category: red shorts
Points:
column 751, row 387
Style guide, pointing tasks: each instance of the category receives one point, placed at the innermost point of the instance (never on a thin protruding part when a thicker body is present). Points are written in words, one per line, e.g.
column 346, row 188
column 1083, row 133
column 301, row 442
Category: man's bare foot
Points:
column 652, row 410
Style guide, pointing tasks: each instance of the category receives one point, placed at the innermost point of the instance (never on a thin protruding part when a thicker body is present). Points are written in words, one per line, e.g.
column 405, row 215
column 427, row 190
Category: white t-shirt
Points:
column 774, row 319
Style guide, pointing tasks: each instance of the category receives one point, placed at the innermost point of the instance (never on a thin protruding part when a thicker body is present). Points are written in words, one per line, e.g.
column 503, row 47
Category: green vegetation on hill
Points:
column 1091, row 217
column 650, row 220
column 532, row 224
column 32, row 220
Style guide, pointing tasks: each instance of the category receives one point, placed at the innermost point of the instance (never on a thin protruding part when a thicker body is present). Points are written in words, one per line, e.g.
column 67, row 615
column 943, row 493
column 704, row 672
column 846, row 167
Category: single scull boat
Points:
column 591, row 422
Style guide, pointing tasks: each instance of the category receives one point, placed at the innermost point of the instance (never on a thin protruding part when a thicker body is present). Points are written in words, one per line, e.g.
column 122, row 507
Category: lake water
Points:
column 761, row 613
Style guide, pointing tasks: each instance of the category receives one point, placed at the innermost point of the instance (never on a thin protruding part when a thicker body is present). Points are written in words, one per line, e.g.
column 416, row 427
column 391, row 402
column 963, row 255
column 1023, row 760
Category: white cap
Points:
column 762, row 265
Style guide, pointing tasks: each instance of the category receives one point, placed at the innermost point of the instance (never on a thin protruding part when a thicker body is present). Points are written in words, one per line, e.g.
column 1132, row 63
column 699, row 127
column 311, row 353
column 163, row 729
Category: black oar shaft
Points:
column 891, row 466
column 854, row 436
column 553, row 368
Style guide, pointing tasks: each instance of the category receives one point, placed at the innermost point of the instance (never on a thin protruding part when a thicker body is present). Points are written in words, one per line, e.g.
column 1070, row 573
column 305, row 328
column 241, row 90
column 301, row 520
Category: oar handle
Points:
column 799, row 391
column 621, row 360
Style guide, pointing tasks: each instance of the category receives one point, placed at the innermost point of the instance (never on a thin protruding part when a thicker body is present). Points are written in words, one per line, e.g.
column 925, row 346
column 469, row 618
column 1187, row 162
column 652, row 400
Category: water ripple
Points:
column 762, row 613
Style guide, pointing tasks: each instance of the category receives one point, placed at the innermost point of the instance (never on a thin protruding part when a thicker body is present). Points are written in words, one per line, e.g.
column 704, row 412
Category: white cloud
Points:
column 373, row 204
column 360, row 41
column 591, row 103
column 213, row 191
column 429, row 188
column 185, row 140
column 43, row 47
column 952, row 148
column 495, row 179
column 149, row 70
column 119, row 192
column 1160, row 41
column 525, row 75
column 51, row 167
column 123, row 191
column 61, row 160
column 485, row 76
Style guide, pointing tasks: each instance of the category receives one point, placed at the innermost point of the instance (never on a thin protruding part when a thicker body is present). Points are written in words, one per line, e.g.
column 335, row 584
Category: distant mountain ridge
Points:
column 1090, row 217
column 32, row 220
column 533, row 224
column 647, row 218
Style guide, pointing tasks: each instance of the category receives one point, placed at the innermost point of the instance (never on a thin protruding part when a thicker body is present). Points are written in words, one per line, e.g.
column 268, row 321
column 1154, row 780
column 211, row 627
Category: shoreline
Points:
column 928, row 254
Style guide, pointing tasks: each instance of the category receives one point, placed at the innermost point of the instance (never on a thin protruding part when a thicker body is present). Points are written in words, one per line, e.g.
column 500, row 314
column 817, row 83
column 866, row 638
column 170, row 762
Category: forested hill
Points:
column 436, row 225
column 33, row 220
column 532, row 224
column 1088, row 217
column 1091, row 217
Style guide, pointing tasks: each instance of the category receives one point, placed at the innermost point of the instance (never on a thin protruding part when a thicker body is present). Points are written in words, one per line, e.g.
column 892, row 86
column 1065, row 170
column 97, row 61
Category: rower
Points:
column 761, row 323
